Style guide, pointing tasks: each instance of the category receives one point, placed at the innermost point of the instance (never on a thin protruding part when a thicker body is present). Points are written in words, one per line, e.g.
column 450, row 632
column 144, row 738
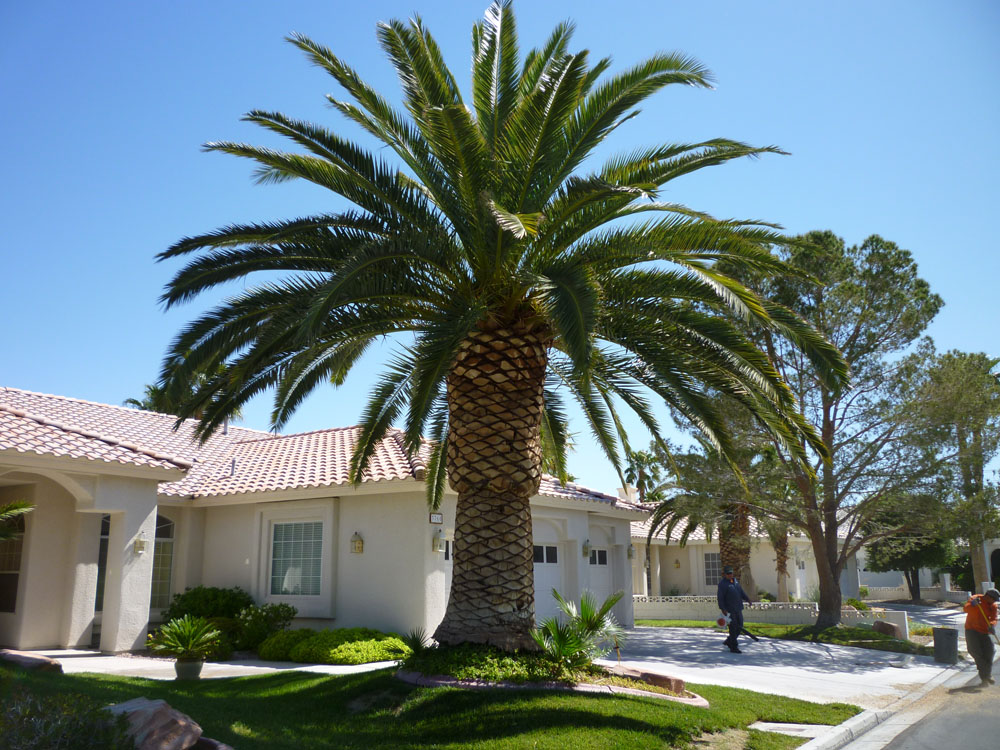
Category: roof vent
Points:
column 232, row 468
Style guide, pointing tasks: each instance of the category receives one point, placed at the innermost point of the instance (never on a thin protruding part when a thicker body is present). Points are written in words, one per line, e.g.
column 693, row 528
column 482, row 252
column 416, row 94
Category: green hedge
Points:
column 278, row 647
column 208, row 602
column 350, row 646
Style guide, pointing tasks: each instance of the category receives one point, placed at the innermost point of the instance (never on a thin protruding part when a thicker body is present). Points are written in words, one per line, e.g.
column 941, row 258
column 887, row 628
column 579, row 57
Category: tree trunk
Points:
column 830, row 598
column 780, row 542
column 913, row 583
column 980, row 572
column 495, row 404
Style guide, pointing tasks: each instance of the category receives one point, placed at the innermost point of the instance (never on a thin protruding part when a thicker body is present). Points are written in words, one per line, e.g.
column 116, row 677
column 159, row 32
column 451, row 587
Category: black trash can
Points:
column 946, row 645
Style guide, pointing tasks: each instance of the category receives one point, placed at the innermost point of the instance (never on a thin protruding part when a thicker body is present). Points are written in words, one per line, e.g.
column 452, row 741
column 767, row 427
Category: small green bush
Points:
column 66, row 722
column 921, row 628
column 279, row 646
column 765, row 596
column 257, row 624
column 350, row 646
column 187, row 639
column 477, row 662
column 208, row 601
column 863, row 592
column 857, row 604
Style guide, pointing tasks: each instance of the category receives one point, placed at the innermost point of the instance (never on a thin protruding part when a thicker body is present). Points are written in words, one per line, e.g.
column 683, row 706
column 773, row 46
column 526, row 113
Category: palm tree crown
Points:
column 502, row 265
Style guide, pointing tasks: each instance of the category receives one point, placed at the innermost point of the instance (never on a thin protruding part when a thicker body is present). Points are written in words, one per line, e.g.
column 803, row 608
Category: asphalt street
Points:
column 967, row 718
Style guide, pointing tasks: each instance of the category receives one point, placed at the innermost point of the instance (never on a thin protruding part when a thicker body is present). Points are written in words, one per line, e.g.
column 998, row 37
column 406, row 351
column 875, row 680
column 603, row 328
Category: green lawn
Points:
column 374, row 710
column 841, row 635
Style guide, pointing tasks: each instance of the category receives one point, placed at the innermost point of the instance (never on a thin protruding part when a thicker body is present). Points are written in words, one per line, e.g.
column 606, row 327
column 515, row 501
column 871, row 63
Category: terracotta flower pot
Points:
column 187, row 669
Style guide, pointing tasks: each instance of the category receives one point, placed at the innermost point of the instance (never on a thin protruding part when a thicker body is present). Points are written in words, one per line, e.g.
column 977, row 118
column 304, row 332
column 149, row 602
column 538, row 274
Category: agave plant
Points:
column 186, row 639
column 587, row 633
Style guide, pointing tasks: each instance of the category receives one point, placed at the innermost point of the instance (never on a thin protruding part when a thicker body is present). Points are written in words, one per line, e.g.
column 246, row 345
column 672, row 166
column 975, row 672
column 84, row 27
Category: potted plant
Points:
column 189, row 640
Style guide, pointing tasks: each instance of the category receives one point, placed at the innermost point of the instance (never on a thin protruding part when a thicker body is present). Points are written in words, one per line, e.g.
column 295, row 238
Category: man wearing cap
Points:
column 731, row 597
column 980, row 624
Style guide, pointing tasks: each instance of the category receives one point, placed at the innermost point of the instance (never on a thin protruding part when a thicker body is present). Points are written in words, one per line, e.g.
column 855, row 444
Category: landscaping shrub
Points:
column 471, row 661
column 587, row 633
column 208, row 601
column 279, row 646
column 257, row 624
column 857, row 604
column 863, row 592
column 59, row 722
column 350, row 646
column 765, row 596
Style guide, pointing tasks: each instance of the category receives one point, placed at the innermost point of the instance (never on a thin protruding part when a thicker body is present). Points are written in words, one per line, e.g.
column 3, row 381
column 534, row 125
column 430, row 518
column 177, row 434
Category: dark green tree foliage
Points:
column 956, row 401
column 927, row 546
column 872, row 304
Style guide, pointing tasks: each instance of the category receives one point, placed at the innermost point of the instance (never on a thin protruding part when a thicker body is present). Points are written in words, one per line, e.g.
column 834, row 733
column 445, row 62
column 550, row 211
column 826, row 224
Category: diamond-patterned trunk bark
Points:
column 734, row 545
column 781, row 564
column 495, row 403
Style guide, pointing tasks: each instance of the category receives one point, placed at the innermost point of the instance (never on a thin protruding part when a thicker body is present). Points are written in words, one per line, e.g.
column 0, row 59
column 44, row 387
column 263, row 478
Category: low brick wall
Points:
column 779, row 613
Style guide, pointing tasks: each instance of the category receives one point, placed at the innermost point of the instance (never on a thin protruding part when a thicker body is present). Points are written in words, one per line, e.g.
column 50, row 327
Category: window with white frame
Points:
column 546, row 554
column 598, row 557
column 296, row 558
column 713, row 568
column 10, row 567
column 163, row 560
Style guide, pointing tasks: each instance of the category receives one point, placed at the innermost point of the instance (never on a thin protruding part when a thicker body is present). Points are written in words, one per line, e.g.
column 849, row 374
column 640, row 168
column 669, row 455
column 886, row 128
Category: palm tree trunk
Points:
column 495, row 400
column 780, row 542
column 734, row 545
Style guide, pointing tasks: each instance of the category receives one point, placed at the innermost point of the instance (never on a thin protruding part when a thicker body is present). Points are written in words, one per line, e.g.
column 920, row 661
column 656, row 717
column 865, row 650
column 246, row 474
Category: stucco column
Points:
column 654, row 570
column 128, row 580
column 79, row 619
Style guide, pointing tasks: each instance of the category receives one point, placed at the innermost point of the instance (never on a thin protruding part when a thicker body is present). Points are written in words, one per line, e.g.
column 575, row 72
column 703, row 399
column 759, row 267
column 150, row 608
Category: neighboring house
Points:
column 695, row 568
column 129, row 511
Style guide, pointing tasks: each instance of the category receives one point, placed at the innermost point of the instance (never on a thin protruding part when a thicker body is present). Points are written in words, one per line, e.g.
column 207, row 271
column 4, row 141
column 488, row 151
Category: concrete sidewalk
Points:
column 153, row 668
column 813, row 671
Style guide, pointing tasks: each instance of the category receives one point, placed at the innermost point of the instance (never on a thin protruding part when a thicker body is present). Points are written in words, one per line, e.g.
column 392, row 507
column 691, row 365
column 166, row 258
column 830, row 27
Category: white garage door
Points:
column 548, row 576
column 600, row 574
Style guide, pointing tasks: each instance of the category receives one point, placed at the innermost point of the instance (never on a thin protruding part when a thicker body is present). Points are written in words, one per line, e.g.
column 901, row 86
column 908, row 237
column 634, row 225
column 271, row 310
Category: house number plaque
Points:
column 437, row 517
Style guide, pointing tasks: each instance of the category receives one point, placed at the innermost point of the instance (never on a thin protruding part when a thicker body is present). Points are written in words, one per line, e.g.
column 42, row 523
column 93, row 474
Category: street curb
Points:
column 855, row 727
column 849, row 731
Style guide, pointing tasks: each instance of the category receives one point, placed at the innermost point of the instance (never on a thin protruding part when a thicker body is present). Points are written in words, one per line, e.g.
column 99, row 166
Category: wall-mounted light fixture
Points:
column 677, row 562
column 437, row 541
column 586, row 548
column 630, row 551
column 357, row 544
column 139, row 545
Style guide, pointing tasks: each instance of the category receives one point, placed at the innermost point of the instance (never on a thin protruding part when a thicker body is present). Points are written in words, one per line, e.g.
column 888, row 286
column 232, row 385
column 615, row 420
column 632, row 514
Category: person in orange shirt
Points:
column 980, row 624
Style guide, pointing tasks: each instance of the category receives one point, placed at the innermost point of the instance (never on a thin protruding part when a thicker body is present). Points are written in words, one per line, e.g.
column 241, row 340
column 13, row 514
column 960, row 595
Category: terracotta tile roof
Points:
column 551, row 487
column 641, row 528
column 28, row 433
column 243, row 460
column 309, row 459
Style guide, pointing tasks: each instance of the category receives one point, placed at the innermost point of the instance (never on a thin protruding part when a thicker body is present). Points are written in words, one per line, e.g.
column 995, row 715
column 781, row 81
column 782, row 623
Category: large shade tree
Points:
column 506, row 267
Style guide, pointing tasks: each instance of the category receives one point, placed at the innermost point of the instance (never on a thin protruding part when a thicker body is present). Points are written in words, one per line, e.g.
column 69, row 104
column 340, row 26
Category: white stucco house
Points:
column 129, row 512
column 695, row 569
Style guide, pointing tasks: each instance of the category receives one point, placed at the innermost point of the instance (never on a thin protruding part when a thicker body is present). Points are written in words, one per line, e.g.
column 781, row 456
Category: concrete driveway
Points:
column 817, row 672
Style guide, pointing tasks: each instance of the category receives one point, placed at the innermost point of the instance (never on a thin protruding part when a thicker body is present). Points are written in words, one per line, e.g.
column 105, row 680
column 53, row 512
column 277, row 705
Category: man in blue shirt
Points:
column 731, row 597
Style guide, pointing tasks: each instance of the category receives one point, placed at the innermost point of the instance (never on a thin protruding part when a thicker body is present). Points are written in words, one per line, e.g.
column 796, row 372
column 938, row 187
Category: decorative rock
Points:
column 888, row 628
column 28, row 660
column 673, row 684
column 156, row 726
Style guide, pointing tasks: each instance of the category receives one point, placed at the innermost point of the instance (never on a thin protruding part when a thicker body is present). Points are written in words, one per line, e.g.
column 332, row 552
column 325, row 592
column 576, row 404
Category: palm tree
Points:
column 505, row 271
column 11, row 515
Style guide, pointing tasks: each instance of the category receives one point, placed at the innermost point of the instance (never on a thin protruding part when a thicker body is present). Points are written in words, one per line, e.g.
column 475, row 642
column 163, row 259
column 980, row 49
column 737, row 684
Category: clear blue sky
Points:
column 891, row 112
